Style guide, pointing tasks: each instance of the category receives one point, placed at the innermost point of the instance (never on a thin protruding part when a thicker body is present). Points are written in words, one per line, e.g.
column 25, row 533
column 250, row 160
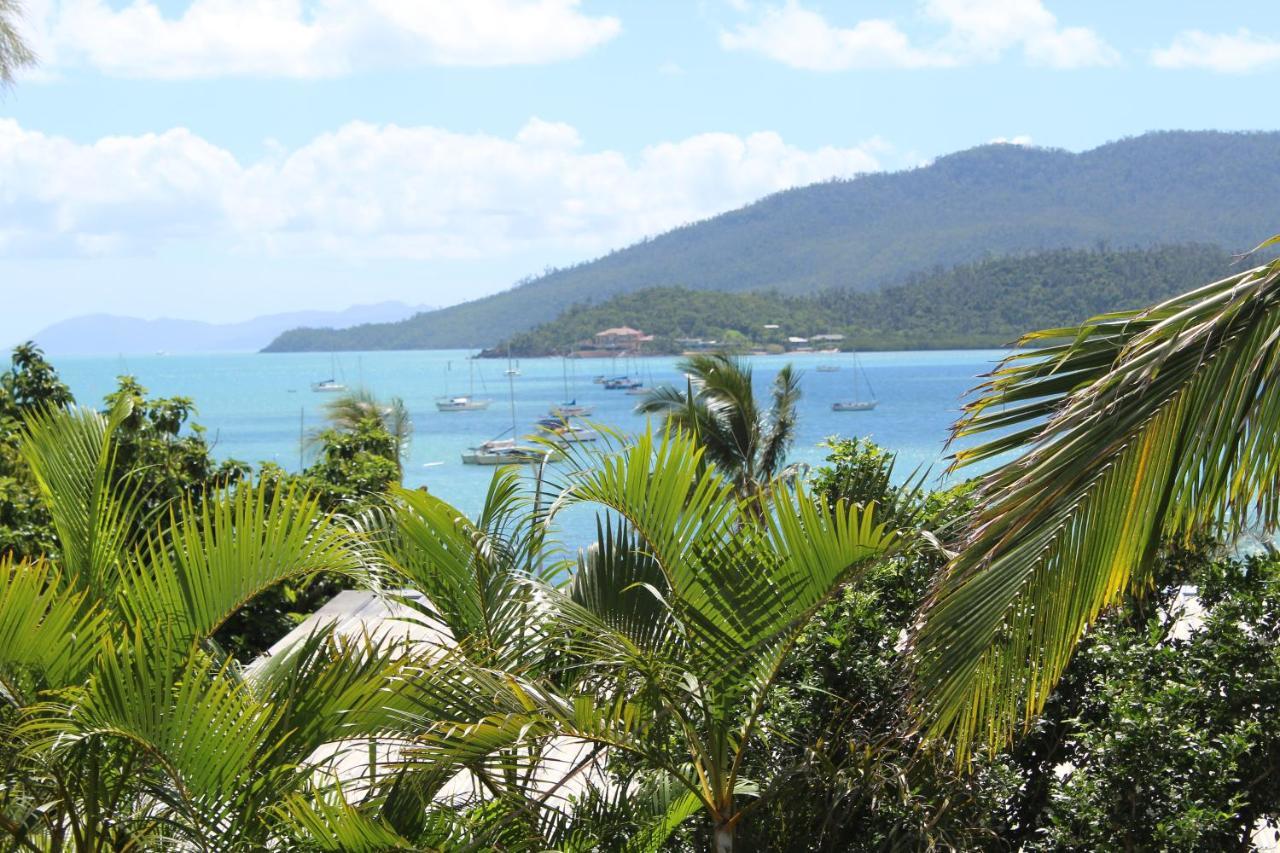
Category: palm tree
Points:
column 346, row 413
column 719, row 408
column 14, row 53
column 1135, row 429
column 666, row 644
column 124, row 726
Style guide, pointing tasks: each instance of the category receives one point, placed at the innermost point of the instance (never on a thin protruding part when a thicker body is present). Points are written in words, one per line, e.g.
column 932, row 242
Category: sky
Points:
column 222, row 159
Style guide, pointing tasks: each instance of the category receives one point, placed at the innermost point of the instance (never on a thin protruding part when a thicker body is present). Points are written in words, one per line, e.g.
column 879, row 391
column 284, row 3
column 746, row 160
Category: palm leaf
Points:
column 45, row 625
column 1138, row 427
column 71, row 454
column 234, row 546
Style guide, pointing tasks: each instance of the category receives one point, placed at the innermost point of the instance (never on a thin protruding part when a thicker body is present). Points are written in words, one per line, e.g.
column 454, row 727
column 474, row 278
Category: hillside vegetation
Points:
column 876, row 230
column 987, row 304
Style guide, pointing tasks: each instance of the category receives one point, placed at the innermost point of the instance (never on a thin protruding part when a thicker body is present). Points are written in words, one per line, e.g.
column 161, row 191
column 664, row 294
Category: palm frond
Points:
column 470, row 574
column 71, row 454
column 230, row 549
column 1138, row 427
column 45, row 625
column 782, row 422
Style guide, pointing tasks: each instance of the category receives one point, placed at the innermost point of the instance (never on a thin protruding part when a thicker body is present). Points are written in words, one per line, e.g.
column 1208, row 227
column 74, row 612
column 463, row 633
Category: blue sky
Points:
column 220, row 159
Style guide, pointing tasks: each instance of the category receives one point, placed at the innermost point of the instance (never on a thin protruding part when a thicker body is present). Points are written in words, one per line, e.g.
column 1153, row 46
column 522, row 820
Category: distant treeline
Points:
column 985, row 304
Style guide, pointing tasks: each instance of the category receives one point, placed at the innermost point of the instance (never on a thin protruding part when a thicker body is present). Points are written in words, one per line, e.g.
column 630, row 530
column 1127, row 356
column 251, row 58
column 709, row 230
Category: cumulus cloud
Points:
column 386, row 191
column 972, row 31
column 1227, row 53
column 310, row 38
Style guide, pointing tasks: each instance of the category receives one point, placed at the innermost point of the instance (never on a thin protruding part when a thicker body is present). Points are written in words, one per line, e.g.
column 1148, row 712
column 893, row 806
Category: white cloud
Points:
column 973, row 31
column 1227, row 53
column 311, row 38
column 383, row 191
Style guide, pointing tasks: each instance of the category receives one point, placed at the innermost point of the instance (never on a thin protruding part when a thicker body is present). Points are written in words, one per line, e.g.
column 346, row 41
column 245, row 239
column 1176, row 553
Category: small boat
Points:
column 638, row 391
column 856, row 405
column 599, row 380
column 621, row 383
column 503, row 451
column 464, row 403
column 828, row 368
column 570, row 409
column 511, row 371
column 513, row 367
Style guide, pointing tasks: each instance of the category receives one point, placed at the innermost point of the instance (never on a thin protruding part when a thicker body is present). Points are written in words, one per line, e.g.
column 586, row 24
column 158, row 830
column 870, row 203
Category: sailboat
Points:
column 504, row 451
column 856, row 405
column 330, row 385
column 513, row 368
column 465, row 402
column 570, row 408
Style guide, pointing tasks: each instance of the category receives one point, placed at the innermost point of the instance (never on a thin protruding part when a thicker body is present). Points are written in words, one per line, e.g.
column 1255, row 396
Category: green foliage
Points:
column 30, row 385
column 747, row 443
column 1172, row 741
column 986, row 304
column 881, row 229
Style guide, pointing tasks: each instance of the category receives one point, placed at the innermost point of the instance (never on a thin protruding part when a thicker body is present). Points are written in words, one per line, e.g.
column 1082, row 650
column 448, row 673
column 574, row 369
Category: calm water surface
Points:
column 255, row 405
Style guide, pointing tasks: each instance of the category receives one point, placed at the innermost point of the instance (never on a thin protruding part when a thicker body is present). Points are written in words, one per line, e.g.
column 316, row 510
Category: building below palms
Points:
column 616, row 342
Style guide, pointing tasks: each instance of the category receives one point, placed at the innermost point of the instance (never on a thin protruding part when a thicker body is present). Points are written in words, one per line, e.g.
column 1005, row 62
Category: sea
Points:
column 258, row 407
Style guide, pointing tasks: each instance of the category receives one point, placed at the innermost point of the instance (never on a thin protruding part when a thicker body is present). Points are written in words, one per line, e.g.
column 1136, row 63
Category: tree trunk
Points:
column 724, row 838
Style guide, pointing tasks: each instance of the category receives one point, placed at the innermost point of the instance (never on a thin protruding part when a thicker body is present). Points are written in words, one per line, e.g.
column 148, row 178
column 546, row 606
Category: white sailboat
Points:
column 570, row 408
column 463, row 402
column 330, row 385
column 856, row 405
column 504, row 451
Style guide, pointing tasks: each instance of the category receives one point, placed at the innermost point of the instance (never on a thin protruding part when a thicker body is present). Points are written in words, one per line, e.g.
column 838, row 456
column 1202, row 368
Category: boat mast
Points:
column 511, row 397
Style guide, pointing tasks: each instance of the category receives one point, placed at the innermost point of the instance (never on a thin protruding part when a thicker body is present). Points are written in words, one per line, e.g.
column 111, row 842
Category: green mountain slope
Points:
column 987, row 304
column 861, row 234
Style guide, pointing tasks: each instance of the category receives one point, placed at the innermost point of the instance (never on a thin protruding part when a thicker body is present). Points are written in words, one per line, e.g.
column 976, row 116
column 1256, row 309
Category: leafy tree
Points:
column 719, row 409
column 30, row 385
column 356, row 410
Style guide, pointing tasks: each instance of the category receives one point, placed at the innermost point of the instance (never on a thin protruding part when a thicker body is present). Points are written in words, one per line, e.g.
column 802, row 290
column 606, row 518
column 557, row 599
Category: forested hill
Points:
column 864, row 233
column 987, row 304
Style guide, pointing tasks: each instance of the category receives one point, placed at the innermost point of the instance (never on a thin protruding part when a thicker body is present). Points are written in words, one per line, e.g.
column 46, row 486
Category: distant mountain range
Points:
column 862, row 234
column 109, row 334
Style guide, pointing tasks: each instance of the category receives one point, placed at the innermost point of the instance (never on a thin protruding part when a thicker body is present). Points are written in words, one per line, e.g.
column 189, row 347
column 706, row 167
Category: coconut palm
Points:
column 14, row 53
column 1134, row 429
column 667, row 642
column 124, row 726
column 718, row 407
column 346, row 413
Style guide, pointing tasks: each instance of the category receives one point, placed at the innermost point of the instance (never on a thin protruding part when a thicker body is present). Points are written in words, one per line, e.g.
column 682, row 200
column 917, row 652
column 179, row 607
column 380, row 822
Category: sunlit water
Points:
column 256, row 406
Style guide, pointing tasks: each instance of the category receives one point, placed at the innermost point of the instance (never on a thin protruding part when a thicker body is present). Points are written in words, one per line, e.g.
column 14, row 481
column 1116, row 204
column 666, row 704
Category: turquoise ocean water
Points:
column 254, row 405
